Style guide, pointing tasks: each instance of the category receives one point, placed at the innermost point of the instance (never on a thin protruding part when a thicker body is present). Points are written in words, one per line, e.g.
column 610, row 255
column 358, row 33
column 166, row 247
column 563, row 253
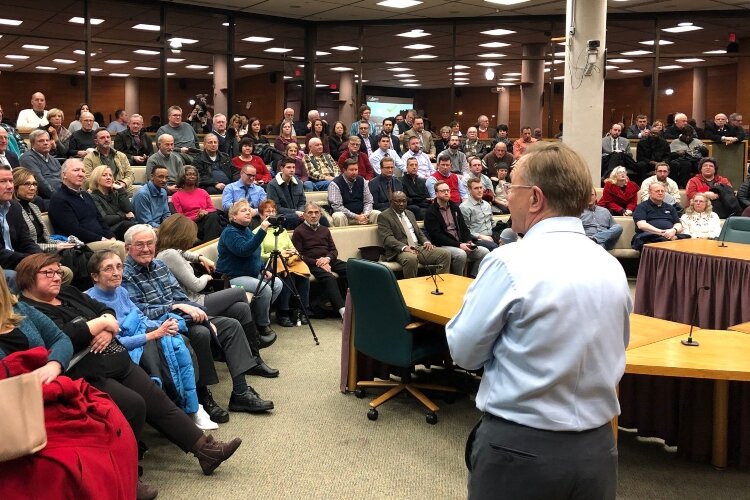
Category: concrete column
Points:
column 347, row 101
column 583, row 101
column 503, row 105
column 220, row 84
column 132, row 95
column 699, row 95
column 532, row 86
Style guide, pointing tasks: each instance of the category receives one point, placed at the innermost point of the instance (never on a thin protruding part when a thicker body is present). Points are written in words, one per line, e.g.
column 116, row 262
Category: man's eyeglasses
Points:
column 50, row 273
column 144, row 244
column 508, row 188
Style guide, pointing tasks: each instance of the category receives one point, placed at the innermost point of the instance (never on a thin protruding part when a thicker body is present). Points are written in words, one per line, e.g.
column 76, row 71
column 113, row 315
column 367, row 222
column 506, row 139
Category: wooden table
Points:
column 645, row 330
column 742, row 327
column 722, row 356
column 439, row 309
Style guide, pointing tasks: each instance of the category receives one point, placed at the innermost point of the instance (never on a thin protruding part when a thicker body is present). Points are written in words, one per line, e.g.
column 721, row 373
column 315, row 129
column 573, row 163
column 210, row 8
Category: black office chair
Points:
column 736, row 229
column 384, row 330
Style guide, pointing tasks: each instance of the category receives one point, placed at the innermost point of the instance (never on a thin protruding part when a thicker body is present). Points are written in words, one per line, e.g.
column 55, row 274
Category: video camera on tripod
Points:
column 277, row 220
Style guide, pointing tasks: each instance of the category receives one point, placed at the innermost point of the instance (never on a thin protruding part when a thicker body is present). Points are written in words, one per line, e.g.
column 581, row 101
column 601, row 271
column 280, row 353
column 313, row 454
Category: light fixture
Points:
column 31, row 46
column 661, row 42
column 671, row 66
column 423, row 56
column 492, row 55
column 454, row 83
column 239, row 59
column 257, row 39
column 116, row 61
column 46, row 68
column 489, row 64
column 512, row 74
column 715, row 52
column 461, row 79
column 630, row 71
column 251, row 66
column 494, row 45
column 183, row 41
column 341, row 68
column 506, row 2
column 345, row 48
column 419, row 84
column 322, row 53
column 560, row 77
column 399, row 4
column 509, row 79
column 5, row 66
column 174, row 59
column 277, row 50
column 287, row 77
column 415, row 33
column 399, row 69
column 690, row 60
column 610, row 66
column 682, row 28
column 489, row 74
column 16, row 57
column 298, row 58
column 418, row 46
column 405, row 75
column 459, row 73
column 147, row 27
column 146, row 52
column 82, row 53
column 669, row 91
column 145, row 68
column 196, row 66
column 497, row 32
column 171, row 74
column 92, row 20
column 175, row 46
column 123, row 75
column 321, row 85
column 10, row 22
column 459, row 66
column 63, row 61
column 636, row 52
column 409, row 80
column 620, row 60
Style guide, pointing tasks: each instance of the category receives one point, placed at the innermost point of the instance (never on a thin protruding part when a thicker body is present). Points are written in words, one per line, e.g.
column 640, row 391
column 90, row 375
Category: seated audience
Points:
column 364, row 116
column 349, row 197
column 337, row 140
column 455, row 128
column 317, row 249
column 43, row 165
column 384, row 185
column 195, row 204
column 459, row 161
column 699, row 220
column 292, row 151
column 113, row 204
column 405, row 243
column 501, row 195
column 655, row 220
column 72, row 211
column 651, row 149
column 104, row 154
column 243, row 189
column 472, row 146
column 353, row 152
column 227, row 137
column 288, row 194
column 498, row 155
column 520, row 145
column 638, row 129
column 134, row 142
column 383, row 150
column 298, row 278
column 446, row 228
column 320, row 167
column 239, row 259
column 365, row 137
column 76, row 124
column 16, row 144
column 475, row 172
column 679, row 127
column 92, row 325
column 441, row 144
column 168, row 158
column 82, row 140
column 425, row 168
column 717, row 189
column 59, row 136
column 155, row 290
column 620, row 194
column 478, row 214
column 424, row 137
column 215, row 169
column 184, row 138
column 672, row 193
column 615, row 151
column 246, row 157
column 319, row 133
column 253, row 131
column 686, row 152
column 286, row 135
column 33, row 117
column 599, row 224
column 393, row 142
column 484, row 131
column 502, row 136
column 443, row 173
column 150, row 203
column 7, row 157
column 415, row 188
column 120, row 123
column 722, row 131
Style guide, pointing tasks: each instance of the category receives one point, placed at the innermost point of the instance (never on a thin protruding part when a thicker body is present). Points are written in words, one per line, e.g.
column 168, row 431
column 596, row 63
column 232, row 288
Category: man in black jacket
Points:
column 416, row 189
column 384, row 185
column 446, row 228
column 651, row 149
column 135, row 142
column 215, row 169
column 387, row 131
column 286, row 191
column 722, row 131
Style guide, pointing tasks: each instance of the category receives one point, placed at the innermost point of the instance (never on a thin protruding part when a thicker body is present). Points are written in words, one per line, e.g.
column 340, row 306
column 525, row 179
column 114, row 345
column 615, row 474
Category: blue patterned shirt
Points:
column 236, row 191
column 153, row 288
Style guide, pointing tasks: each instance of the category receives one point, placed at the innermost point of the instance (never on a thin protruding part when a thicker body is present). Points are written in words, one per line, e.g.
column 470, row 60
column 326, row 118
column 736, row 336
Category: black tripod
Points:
column 271, row 266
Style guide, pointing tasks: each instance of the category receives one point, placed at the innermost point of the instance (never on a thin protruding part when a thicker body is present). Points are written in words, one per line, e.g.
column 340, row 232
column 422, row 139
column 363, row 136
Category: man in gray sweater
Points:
column 184, row 136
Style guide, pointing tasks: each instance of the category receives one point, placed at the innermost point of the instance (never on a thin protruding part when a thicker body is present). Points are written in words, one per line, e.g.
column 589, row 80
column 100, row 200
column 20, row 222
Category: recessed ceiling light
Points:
column 682, row 28
column 458, row 73
column 512, row 74
column 454, row 83
column 399, row 4
column 690, row 60
column 558, row 61
column 661, row 42
column 559, row 54
column 363, row 81
column 636, row 52
column 492, row 55
column 392, row 62
column 423, row 56
column 184, row 41
column 147, row 27
column 488, row 64
column 459, row 66
column 63, row 61
column 717, row 51
column 507, row 84
column 334, row 92
column 17, row 57
column 238, row 59
column 341, row 68
column 46, row 68
column 300, row 65
column 120, row 74
column 506, row 2
column 547, row 70
column 610, row 66
column 494, row 45
column 82, row 53
column 419, row 84
column 671, row 66
column 287, row 77
column 4, row 65
column 257, row 39
column 116, row 61
column 345, row 48
column 415, row 33
column 251, row 66
column 322, row 53
column 497, row 32
column 620, row 60
column 321, row 85
column 277, row 50
column 298, row 58
column 461, row 79
column 171, row 74
column 196, row 66
column 10, row 22
column 561, row 77
column 174, row 60
column 630, row 71
column 403, row 75
column 509, row 79
column 31, row 46
column 79, row 20
column 225, row 24
column 409, row 80
column 146, row 52
column 145, row 68
column 95, row 70
column 418, row 46
column 399, row 69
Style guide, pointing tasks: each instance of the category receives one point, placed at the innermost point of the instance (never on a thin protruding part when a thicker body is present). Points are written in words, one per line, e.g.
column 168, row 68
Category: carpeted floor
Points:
column 319, row 444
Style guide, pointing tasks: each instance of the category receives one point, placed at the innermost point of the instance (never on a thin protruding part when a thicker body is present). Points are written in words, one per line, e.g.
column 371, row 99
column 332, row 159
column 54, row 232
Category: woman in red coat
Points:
column 620, row 195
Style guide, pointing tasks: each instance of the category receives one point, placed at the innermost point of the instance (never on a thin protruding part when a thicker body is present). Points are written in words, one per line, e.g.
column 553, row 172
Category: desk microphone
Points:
column 431, row 268
column 724, row 233
column 689, row 341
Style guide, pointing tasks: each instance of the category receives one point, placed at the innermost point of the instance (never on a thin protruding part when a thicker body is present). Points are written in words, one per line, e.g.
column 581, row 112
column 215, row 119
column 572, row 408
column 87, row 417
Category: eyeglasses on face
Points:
column 144, row 244
column 508, row 188
column 29, row 184
column 51, row 273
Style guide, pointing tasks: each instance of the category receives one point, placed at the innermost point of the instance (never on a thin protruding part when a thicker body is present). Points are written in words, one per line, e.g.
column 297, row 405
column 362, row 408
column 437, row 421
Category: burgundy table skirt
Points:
column 679, row 410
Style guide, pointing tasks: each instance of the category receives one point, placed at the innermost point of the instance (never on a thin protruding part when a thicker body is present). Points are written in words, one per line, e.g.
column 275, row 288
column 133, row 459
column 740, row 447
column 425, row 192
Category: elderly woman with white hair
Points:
column 620, row 195
column 699, row 219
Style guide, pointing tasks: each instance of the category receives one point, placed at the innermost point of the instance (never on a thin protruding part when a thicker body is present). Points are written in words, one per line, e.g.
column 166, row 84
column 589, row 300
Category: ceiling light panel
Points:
column 257, row 39
column 418, row 46
column 399, row 4
column 147, row 27
column 494, row 45
column 79, row 20
column 497, row 32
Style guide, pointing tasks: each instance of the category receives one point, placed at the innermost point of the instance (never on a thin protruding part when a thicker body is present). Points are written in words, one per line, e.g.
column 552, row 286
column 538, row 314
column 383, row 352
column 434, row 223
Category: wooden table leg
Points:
column 720, row 424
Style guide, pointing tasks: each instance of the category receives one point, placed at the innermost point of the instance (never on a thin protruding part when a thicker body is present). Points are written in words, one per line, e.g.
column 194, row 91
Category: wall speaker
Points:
column 272, row 77
column 647, row 81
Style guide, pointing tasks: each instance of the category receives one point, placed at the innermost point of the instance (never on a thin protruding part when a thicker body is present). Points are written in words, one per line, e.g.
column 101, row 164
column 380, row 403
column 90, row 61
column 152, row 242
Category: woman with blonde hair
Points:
column 620, row 195
column 285, row 137
column 58, row 134
column 113, row 204
column 699, row 219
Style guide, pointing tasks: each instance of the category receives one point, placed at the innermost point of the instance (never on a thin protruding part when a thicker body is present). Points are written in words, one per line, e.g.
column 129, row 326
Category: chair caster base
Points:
column 360, row 393
column 432, row 418
column 372, row 414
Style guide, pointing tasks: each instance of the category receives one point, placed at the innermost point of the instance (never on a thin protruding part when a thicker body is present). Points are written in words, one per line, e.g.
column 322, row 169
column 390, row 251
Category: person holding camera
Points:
column 445, row 224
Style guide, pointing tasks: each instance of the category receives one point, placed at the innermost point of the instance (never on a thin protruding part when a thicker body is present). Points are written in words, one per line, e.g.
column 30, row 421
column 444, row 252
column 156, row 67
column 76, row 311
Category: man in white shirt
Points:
column 384, row 150
column 425, row 169
column 548, row 320
column 672, row 192
column 36, row 116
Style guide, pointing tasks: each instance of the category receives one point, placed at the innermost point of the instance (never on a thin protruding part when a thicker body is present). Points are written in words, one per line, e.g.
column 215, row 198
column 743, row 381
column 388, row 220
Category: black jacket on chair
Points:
column 437, row 230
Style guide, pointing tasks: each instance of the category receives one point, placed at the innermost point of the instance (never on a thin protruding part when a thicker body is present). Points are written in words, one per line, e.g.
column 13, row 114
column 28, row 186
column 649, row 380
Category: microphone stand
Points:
column 431, row 268
column 689, row 342
column 724, row 232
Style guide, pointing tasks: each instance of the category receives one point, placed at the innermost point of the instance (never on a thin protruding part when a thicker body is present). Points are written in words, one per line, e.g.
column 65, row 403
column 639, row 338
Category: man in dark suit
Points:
column 387, row 131
column 384, row 185
column 722, row 131
column 453, row 235
column 134, row 142
column 417, row 195
column 405, row 243
column 638, row 129
column 7, row 157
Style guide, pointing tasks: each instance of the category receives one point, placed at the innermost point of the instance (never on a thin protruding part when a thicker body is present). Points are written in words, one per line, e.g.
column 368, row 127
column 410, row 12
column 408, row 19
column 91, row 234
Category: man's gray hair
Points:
column 136, row 115
column 161, row 137
column 138, row 229
column 35, row 134
column 312, row 204
column 67, row 164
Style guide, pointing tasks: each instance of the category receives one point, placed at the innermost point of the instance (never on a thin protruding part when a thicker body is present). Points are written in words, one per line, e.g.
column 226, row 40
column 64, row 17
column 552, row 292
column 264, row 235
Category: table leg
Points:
column 720, row 424
column 352, row 378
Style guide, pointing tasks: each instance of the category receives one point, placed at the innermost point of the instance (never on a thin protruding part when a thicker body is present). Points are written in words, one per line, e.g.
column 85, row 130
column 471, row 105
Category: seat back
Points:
column 380, row 314
column 736, row 229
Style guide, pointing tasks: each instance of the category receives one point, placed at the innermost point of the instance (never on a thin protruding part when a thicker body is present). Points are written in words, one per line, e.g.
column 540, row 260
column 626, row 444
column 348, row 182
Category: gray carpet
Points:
column 318, row 443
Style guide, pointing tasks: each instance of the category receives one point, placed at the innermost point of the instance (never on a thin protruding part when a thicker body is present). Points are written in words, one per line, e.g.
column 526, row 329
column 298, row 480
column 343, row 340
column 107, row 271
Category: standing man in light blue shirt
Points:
column 150, row 203
column 548, row 320
column 243, row 188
